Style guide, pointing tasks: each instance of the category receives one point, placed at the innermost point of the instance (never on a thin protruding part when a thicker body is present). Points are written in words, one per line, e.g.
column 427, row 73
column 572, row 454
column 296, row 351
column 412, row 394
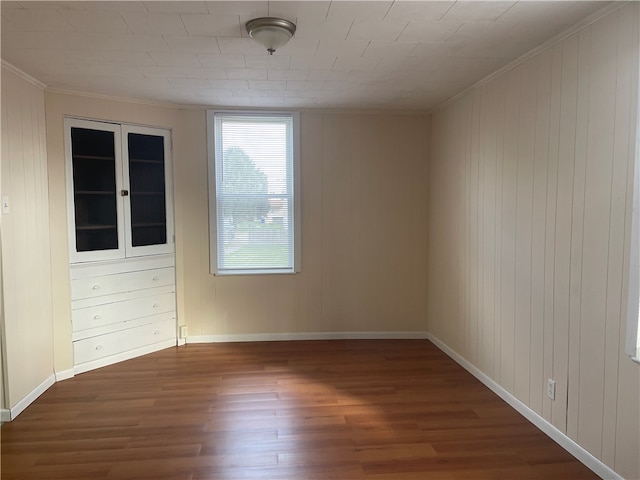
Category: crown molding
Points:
column 572, row 30
column 101, row 96
column 25, row 76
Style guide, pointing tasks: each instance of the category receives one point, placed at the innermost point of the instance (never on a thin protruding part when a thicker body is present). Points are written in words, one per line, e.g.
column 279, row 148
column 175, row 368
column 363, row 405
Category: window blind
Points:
column 254, row 193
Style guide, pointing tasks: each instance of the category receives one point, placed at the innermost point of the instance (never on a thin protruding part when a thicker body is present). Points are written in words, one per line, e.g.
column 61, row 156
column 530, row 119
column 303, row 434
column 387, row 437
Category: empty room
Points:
column 355, row 240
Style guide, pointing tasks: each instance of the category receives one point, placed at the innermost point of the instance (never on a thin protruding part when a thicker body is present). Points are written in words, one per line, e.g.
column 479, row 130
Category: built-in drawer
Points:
column 102, row 346
column 116, row 327
column 122, row 282
column 112, row 267
column 108, row 313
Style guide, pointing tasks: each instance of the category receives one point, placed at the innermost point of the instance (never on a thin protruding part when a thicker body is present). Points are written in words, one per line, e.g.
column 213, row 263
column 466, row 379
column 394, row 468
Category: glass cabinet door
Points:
column 146, row 176
column 146, row 188
column 95, row 231
column 119, row 196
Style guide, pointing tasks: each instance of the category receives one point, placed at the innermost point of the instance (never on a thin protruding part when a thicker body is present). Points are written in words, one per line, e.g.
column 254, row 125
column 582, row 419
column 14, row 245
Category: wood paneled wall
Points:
column 364, row 227
column 529, row 208
column 24, row 235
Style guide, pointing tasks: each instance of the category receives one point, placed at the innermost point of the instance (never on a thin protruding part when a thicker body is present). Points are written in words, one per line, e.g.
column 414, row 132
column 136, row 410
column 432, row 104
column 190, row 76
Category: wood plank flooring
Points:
column 347, row 410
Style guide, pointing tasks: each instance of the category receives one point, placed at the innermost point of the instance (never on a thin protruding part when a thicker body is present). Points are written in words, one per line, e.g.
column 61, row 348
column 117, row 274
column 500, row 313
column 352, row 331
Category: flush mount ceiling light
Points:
column 271, row 33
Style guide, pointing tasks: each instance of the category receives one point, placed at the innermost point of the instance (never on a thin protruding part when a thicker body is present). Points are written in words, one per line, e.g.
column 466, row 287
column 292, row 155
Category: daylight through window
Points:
column 253, row 192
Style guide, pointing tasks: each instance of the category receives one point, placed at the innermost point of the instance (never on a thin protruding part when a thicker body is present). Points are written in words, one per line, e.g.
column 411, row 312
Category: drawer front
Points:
column 100, row 269
column 121, row 326
column 106, row 314
column 113, row 343
column 122, row 282
column 121, row 297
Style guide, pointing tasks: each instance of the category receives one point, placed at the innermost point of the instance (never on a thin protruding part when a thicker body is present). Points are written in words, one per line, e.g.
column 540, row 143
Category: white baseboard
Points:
column 64, row 374
column 276, row 337
column 556, row 435
column 9, row 415
column 19, row 407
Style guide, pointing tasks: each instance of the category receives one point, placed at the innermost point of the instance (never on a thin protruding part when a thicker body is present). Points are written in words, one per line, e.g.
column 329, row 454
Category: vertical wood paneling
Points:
column 524, row 213
column 538, row 229
column 626, row 415
column 597, row 222
column 311, row 135
column 462, row 219
column 458, row 328
column 27, row 314
column 365, row 181
column 577, row 229
column 500, row 84
column 556, row 168
column 614, row 294
column 474, row 236
column 358, row 301
column 188, row 223
column 488, row 179
column 550, row 251
column 564, row 194
column 364, row 231
column 509, row 227
column 481, row 151
column 337, row 234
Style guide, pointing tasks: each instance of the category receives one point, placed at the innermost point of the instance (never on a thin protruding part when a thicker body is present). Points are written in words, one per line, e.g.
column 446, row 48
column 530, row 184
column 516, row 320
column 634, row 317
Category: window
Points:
column 632, row 346
column 253, row 192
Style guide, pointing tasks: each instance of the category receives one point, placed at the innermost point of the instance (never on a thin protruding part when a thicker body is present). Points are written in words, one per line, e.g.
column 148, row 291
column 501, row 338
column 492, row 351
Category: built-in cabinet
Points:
column 120, row 202
column 121, row 246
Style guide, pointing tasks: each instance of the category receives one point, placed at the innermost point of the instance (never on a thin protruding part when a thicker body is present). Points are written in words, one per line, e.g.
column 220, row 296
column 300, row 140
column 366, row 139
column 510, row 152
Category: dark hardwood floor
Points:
column 347, row 410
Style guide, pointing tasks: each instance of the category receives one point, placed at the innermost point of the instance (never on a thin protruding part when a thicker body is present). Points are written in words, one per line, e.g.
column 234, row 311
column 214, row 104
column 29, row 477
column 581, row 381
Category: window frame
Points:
column 213, row 167
column 632, row 340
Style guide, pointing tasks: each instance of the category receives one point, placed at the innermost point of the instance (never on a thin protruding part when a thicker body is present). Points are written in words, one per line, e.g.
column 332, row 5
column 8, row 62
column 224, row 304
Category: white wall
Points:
column 530, row 197
column 24, row 236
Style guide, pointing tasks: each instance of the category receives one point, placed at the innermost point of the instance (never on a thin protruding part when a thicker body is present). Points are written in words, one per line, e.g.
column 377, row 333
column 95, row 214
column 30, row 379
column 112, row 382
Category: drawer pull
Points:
column 98, row 347
column 96, row 287
column 157, row 332
column 97, row 317
column 156, row 278
column 156, row 305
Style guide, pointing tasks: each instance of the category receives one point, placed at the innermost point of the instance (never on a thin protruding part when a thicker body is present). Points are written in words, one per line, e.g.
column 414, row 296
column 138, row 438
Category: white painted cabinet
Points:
column 121, row 244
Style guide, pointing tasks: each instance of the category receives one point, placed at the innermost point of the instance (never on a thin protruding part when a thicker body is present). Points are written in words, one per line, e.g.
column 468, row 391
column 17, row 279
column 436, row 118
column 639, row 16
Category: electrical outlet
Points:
column 551, row 389
column 183, row 331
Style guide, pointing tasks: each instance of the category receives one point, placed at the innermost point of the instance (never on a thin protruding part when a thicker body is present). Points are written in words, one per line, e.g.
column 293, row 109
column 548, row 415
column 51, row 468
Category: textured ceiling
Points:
column 389, row 55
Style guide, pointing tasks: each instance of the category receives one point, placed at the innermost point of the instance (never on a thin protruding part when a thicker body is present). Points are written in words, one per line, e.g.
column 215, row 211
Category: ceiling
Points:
column 383, row 55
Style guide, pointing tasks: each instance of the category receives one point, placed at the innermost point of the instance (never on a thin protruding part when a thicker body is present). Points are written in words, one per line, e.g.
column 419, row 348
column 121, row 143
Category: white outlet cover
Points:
column 551, row 389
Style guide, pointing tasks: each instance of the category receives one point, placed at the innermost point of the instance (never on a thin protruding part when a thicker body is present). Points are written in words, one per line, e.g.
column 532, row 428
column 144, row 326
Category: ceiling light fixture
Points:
column 271, row 33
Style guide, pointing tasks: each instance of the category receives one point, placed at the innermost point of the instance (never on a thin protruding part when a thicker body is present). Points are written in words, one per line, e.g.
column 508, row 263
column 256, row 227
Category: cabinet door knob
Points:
column 97, row 317
column 155, row 305
column 156, row 278
column 98, row 347
column 96, row 287
column 157, row 332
